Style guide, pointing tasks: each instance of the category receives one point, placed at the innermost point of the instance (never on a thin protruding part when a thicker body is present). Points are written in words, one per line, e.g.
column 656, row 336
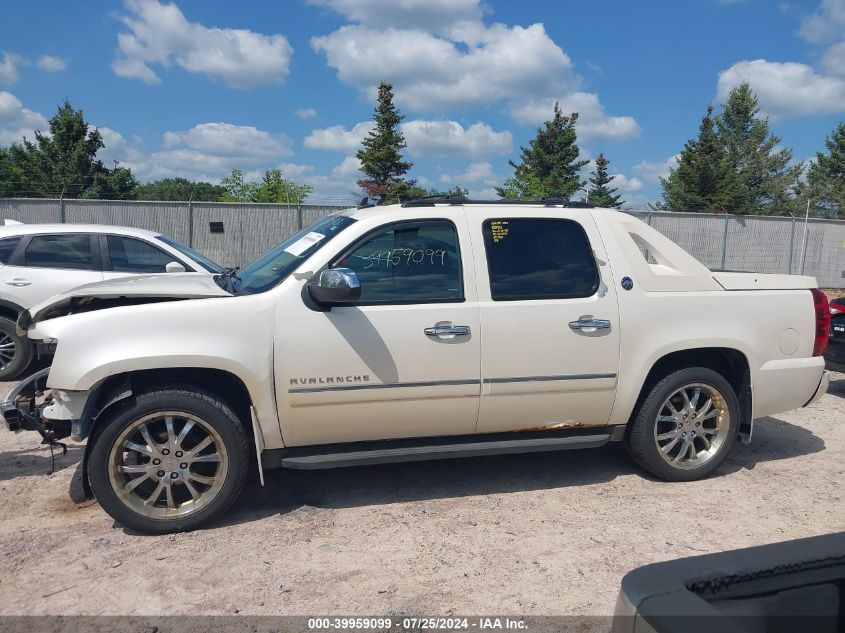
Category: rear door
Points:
column 550, row 326
column 44, row 265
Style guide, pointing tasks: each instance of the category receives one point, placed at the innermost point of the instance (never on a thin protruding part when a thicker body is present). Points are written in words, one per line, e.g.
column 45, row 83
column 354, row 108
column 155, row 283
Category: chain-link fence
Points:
column 234, row 234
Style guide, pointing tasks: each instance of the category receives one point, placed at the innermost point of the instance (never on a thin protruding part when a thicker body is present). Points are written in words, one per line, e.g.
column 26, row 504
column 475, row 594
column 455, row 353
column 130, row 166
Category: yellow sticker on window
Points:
column 499, row 230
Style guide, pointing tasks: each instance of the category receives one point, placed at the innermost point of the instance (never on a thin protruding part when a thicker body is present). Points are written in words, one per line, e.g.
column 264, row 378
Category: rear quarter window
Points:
column 7, row 247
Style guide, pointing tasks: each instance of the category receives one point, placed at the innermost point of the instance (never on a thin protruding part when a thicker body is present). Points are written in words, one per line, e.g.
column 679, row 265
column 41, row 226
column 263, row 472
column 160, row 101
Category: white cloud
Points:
column 450, row 138
column 17, row 121
column 236, row 141
column 478, row 177
column 338, row 138
column 350, row 167
column 625, row 184
column 160, row 34
column 593, row 122
column 9, row 68
column 294, row 170
column 51, row 64
column 306, row 113
column 653, row 172
column 826, row 24
column 441, row 55
column 834, row 59
column 785, row 89
column 415, row 14
column 434, row 73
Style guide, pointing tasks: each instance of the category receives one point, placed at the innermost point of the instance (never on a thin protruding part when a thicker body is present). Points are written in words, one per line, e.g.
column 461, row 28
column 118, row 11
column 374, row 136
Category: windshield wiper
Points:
column 228, row 278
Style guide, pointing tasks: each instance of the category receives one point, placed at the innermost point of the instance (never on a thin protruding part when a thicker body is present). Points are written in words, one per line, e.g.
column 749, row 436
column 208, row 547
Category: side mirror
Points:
column 174, row 267
column 336, row 285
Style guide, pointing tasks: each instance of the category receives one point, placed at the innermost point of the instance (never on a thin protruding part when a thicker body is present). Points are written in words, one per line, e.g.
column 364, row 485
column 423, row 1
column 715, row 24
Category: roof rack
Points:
column 459, row 200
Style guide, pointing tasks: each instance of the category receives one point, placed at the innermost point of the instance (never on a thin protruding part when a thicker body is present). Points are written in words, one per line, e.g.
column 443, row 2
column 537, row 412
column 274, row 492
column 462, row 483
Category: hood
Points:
column 122, row 292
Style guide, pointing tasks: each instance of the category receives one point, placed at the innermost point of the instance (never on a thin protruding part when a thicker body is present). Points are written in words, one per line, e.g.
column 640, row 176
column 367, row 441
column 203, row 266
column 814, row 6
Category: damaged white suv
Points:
column 439, row 328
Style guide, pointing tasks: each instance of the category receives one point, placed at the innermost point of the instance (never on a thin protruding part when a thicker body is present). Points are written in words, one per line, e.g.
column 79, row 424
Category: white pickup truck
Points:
column 438, row 328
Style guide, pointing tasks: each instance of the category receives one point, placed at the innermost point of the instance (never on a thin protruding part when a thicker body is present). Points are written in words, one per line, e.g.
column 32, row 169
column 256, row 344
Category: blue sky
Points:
column 195, row 88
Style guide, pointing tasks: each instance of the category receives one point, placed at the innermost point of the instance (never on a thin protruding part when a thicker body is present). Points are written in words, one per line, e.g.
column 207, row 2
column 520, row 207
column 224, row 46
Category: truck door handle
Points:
column 18, row 282
column 590, row 324
column 445, row 330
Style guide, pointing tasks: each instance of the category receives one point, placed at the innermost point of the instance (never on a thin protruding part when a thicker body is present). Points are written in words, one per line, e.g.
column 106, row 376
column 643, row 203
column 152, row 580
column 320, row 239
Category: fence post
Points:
column 725, row 241
column 191, row 221
column 299, row 221
column 648, row 218
column 62, row 206
column 791, row 245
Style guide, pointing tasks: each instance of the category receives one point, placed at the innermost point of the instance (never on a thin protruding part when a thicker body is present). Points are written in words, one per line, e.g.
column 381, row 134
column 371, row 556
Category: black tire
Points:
column 204, row 406
column 23, row 351
column 641, row 439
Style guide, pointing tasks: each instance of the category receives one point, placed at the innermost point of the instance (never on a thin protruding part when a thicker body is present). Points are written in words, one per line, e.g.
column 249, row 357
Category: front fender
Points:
column 232, row 334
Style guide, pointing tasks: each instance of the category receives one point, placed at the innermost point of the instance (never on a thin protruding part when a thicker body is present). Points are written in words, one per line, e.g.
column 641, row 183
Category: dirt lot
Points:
column 547, row 534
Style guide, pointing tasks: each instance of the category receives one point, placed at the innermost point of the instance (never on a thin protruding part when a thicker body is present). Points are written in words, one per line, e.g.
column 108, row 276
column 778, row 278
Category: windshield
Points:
column 187, row 251
column 275, row 265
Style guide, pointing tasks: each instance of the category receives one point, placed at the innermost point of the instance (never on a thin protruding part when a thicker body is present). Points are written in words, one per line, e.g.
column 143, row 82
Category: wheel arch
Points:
column 729, row 362
column 10, row 310
column 120, row 390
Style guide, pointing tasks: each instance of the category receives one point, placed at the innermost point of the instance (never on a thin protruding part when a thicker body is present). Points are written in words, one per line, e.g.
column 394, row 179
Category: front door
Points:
column 404, row 360
column 549, row 315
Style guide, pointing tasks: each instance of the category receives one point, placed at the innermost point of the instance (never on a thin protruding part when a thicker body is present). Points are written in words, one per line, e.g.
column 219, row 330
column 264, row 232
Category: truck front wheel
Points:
column 172, row 460
column 686, row 426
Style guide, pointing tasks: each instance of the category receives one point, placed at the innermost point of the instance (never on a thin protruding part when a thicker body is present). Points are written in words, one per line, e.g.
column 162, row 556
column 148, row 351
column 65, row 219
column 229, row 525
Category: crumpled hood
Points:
column 123, row 291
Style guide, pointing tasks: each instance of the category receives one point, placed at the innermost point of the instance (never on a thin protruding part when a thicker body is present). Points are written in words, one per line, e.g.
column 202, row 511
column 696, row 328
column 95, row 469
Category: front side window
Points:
column 408, row 262
column 129, row 255
column 71, row 250
column 539, row 258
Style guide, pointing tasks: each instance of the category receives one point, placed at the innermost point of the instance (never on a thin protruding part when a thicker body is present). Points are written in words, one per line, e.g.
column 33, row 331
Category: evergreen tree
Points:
column 381, row 154
column 550, row 167
column 179, row 189
column 65, row 160
column 826, row 176
column 600, row 194
column 704, row 180
column 765, row 171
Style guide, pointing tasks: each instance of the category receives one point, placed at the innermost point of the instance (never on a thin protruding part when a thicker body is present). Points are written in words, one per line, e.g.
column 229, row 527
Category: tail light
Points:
column 821, row 307
column 836, row 310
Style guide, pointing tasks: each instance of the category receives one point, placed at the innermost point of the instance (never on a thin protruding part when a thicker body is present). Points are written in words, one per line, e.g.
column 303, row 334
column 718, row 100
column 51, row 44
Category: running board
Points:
column 365, row 453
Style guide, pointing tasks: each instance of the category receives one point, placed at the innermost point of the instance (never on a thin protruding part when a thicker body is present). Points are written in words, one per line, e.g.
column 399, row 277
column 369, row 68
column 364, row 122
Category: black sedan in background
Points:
column 835, row 353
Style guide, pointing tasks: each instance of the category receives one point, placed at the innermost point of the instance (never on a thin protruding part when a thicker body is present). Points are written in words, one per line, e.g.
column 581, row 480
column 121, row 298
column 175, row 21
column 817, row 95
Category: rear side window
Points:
column 59, row 251
column 409, row 262
column 129, row 255
column 539, row 258
column 7, row 247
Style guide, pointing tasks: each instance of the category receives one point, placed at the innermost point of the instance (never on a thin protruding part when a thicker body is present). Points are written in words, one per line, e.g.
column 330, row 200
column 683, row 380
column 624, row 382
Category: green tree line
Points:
column 64, row 163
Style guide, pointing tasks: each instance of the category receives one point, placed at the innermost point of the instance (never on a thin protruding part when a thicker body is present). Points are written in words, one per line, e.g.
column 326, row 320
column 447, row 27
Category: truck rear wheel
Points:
column 172, row 460
column 15, row 351
column 686, row 426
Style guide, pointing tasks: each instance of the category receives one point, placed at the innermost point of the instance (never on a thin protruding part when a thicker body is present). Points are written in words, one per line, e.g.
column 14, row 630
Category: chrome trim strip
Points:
column 388, row 385
column 548, row 378
column 440, row 383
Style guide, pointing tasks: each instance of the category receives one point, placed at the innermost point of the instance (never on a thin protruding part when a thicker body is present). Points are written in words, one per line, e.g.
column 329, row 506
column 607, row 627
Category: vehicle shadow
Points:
column 287, row 490
column 773, row 439
column 36, row 461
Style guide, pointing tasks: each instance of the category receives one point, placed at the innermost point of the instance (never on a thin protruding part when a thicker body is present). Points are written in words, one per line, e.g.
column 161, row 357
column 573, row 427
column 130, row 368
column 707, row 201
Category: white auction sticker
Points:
column 304, row 243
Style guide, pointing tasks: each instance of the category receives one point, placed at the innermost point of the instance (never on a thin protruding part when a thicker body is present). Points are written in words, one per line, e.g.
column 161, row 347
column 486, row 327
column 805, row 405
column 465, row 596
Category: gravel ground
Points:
column 540, row 534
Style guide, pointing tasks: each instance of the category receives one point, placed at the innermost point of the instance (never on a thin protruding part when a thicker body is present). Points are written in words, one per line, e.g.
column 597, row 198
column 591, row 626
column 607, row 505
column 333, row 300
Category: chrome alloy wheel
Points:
column 691, row 426
column 7, row 351
column 167, row 465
